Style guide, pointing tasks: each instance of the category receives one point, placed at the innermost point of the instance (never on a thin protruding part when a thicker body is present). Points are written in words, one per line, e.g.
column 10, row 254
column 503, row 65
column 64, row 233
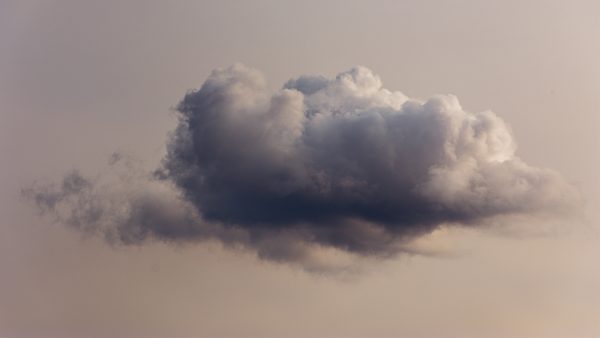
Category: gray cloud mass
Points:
column 338, row 163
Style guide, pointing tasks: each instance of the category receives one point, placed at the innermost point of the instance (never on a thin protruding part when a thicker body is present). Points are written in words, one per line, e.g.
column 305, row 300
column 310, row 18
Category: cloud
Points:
column 337, row 164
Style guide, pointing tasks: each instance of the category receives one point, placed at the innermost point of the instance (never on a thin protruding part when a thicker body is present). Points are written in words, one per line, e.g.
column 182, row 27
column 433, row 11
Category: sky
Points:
column 87, row 85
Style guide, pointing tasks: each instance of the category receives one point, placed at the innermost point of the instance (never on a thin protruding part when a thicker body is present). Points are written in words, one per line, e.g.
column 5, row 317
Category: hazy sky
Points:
column 81, row 80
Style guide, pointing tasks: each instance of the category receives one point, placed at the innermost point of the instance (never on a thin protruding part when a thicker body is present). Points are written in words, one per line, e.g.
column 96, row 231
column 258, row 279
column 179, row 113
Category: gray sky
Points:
column 80, row 80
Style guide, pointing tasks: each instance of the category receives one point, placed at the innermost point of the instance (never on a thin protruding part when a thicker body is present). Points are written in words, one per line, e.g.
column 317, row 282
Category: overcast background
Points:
column 80, row 80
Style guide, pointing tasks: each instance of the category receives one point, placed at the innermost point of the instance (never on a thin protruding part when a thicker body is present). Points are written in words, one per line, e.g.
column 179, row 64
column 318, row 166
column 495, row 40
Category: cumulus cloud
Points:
column 322, row 164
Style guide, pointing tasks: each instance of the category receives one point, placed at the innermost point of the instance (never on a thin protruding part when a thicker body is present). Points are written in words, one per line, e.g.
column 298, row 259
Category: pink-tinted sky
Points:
column 81, row 80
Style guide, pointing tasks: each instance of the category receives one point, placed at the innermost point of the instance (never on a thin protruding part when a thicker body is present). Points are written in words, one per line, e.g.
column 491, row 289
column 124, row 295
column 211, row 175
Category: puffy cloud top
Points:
column 327, row 154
